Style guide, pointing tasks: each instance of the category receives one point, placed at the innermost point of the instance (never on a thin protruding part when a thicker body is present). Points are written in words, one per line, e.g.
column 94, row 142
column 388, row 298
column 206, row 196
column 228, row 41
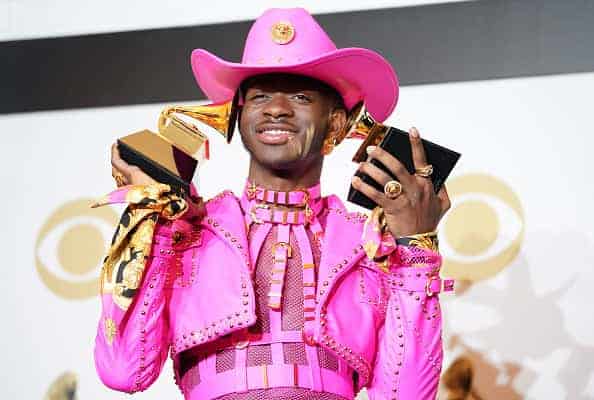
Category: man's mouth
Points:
column 274, row 134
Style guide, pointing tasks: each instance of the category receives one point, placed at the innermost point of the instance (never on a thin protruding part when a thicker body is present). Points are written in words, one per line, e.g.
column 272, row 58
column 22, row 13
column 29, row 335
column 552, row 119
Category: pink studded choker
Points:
column 300, row 197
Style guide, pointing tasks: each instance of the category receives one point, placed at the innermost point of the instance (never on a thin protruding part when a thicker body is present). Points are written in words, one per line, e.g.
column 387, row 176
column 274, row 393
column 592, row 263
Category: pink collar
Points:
column 300, row 197
column 259, row 205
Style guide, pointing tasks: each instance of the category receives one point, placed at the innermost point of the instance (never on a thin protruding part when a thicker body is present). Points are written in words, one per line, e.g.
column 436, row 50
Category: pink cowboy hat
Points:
column 291, row 41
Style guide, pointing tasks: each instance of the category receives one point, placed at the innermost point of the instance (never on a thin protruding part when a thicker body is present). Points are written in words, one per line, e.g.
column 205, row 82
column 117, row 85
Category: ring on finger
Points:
column 120, row 179
column 424, row 172
column 392, row 189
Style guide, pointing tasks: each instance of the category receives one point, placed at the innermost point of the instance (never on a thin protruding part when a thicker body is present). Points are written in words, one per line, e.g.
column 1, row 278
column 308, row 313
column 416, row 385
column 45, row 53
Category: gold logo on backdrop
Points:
column 79, row 250
column 473, row 226
column 282, row 32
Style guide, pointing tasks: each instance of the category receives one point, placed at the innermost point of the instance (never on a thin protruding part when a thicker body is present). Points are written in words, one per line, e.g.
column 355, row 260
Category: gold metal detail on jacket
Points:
column 427, row 241
column 110, row 330
column 124, row 265
column 282, row 32
column 251, row 191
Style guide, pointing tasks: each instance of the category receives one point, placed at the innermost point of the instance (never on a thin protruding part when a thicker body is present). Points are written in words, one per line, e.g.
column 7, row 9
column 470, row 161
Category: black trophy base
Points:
column 157, row 171
column 397, row 143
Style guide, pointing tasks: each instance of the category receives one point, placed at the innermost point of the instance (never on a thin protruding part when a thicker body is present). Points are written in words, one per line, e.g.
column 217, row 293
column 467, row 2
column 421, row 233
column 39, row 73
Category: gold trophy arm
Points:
column 361, row 125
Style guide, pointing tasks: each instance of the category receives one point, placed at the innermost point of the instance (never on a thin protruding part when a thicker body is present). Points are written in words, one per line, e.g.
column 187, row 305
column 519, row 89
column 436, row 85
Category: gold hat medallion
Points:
column 282, row 32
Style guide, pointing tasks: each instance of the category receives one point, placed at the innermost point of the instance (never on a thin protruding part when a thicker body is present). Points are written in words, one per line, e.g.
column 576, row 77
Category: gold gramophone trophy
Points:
column 172, row 154
column 361, row 125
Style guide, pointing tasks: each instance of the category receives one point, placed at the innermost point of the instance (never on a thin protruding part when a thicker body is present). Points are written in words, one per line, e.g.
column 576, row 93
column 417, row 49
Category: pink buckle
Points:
column 308, row 338
column 284, row 245
column 445, row 286
column 253, row 211
column 240, row 340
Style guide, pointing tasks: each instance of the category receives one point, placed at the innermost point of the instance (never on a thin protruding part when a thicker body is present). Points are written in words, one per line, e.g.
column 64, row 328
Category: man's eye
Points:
column 258, row 96
column 302, row 97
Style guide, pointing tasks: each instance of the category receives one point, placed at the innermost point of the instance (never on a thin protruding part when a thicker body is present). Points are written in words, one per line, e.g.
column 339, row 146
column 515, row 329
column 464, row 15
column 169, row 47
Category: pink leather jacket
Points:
column 197, row 287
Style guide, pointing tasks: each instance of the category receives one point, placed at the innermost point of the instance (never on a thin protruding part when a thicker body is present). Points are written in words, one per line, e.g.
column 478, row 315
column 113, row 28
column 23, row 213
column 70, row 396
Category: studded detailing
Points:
column 200, row 296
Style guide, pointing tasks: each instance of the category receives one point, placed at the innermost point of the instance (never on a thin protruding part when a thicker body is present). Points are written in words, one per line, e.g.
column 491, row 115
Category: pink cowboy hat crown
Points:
column 291, row 41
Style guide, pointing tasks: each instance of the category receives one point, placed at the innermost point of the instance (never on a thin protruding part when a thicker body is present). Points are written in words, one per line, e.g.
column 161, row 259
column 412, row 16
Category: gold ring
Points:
column 424, row 172
column 120, row 179
column 392, row 189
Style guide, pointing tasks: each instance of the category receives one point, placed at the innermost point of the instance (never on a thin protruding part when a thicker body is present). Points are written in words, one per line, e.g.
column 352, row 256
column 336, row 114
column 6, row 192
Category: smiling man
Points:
column 271, row 295
column 283, row 123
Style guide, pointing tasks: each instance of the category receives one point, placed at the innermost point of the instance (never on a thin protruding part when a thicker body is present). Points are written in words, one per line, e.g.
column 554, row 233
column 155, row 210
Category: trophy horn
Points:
column 361, row 125
column 358, row 124
column 220, row 116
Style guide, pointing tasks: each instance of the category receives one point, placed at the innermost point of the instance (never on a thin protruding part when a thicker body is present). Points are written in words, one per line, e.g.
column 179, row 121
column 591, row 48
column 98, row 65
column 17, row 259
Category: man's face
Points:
column 285, row 119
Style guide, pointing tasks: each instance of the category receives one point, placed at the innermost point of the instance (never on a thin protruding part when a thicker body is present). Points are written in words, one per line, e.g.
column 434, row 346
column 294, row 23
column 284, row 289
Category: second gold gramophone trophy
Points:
column 361, row 125
column 172, row 154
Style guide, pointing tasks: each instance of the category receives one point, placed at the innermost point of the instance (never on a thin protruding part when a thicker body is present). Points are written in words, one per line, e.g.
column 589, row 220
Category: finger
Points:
column 392, row 163
column 444, row 200
column 375, row 173
column 368, row 190
column 117, row 162
column 418, row 152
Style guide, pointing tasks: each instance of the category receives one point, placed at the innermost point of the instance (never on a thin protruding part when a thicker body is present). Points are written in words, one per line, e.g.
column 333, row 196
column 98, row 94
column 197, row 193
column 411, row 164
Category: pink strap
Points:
column 296, row 197
column 256, row 339
column 276, row 332
column 262, row 213
column 240, row 362
column 281, row 250
column 272, row 376
column 413, row 282
column 309, row 283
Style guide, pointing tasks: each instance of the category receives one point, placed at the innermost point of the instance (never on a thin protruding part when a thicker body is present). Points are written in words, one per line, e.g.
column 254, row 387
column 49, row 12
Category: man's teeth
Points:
column 276, row 132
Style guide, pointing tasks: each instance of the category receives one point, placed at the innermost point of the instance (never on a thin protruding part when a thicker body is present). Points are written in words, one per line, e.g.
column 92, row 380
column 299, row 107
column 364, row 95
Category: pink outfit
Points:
column 247, row 318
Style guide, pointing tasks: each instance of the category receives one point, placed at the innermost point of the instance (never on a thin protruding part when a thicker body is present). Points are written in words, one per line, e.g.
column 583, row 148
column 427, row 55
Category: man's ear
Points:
column 336, row 125
column 337, row 122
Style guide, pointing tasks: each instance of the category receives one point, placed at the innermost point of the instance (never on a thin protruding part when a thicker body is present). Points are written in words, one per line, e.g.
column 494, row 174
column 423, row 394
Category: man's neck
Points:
column 284, row 180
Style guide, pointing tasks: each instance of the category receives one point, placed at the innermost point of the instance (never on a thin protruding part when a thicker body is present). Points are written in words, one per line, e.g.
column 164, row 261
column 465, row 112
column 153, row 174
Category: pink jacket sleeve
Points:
column 409, row 356
column 132, row 339
column 131, row 346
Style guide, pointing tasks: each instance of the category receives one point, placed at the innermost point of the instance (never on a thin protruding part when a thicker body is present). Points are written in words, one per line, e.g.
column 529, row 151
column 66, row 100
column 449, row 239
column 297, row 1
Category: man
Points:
column 271, row 295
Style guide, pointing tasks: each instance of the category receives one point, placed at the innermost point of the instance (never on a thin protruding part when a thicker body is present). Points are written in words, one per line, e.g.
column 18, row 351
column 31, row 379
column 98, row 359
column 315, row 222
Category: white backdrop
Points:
column 520, row 229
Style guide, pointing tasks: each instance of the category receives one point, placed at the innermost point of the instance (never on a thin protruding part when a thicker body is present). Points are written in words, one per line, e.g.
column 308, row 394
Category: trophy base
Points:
column 397, row 143
column 156, row 171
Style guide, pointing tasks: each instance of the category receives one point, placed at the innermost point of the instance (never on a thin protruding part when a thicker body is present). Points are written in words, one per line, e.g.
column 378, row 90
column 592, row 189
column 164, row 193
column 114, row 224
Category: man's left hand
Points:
column 417, row 209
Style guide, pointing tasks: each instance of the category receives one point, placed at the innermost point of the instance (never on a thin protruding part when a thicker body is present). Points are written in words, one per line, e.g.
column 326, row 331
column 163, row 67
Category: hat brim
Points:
column 356, row 73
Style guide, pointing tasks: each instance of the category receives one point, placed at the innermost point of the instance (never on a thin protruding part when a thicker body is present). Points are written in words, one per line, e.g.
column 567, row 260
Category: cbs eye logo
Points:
column 70, row 248
column 483, row 232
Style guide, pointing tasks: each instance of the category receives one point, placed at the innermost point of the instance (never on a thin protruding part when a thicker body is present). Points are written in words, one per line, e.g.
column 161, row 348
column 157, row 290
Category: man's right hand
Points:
column 126, row 174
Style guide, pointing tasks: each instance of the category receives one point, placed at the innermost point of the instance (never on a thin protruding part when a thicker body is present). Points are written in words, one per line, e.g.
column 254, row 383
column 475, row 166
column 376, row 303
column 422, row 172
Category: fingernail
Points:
column 414, row 132
column 370, row 149
column 354, row 179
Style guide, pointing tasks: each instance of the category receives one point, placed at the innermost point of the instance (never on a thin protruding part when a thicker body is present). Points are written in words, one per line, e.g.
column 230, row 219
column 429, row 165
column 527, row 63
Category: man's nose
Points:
column 278, row 107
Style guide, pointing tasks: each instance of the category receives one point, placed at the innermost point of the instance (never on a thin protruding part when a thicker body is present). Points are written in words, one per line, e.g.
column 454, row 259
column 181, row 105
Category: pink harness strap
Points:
column 272, row 376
